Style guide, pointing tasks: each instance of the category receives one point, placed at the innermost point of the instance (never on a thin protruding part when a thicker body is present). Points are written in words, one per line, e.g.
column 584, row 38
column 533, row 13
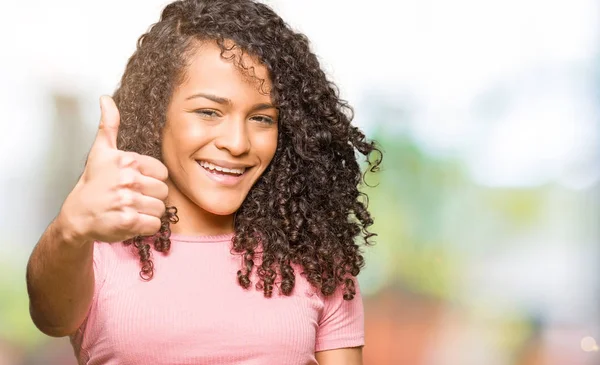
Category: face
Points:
column 220, row 136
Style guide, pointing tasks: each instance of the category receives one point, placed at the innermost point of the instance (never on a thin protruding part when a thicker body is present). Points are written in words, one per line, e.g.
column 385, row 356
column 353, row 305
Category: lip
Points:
column 223, row 179
column 226, row 164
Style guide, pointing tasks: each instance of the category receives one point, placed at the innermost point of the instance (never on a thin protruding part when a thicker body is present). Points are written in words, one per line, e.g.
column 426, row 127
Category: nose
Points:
column 233, row 137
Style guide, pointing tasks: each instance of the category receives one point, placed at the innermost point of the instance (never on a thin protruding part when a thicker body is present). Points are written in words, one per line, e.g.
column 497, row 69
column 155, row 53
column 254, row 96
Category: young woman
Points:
column 217, row 218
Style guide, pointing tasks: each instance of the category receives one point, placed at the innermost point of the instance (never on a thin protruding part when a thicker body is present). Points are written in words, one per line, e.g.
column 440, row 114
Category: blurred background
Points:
column 487, row 207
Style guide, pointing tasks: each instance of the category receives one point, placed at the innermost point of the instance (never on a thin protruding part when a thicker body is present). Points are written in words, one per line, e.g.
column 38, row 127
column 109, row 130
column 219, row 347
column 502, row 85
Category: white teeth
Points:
column 208, row 165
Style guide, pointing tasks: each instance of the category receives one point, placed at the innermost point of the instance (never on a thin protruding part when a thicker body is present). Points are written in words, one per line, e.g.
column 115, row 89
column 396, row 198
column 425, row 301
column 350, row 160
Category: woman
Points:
column 225, row 174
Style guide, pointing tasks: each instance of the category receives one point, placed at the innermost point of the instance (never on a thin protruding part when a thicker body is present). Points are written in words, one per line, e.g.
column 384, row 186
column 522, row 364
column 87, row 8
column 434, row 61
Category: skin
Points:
column 217, row 113
column 119, row 195
column 239, row 126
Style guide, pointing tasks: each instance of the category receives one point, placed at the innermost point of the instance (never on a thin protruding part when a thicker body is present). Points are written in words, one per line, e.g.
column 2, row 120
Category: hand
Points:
column 120, row 194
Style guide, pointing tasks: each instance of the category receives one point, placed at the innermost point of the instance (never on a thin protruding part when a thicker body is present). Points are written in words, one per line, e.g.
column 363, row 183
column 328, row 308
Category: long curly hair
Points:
column 306, row 210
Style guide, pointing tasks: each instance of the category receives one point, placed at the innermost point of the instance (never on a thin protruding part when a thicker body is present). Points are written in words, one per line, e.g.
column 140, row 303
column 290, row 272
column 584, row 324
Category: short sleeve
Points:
column 341, row 323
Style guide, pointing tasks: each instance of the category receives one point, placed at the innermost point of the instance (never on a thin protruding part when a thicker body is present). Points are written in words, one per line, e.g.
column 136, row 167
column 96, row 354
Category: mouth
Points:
column 216, row 169
column 229, row 175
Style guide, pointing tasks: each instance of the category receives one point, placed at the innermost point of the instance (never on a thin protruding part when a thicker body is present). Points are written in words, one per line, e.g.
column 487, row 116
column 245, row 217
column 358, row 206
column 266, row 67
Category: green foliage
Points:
column 430, row 217
column 409, row 210
column 15, row 323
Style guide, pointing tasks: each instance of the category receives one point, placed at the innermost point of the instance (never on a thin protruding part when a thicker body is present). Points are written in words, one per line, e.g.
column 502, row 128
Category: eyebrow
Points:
column 225, row 101
column 216, row 99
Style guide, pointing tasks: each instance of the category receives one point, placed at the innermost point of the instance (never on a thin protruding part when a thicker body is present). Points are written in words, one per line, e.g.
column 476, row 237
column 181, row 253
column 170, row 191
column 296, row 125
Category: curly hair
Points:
column 306, row 210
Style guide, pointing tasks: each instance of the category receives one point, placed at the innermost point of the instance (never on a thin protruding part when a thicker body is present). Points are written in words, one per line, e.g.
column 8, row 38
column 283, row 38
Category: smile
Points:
column 228, row 176
column 211, row 167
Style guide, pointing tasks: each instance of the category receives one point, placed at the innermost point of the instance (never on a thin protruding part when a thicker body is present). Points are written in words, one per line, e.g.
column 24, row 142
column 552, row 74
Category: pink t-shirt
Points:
column 194, row 312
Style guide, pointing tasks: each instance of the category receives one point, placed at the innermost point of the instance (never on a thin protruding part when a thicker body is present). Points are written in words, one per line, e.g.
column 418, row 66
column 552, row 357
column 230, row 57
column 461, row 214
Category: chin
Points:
column 221, row 207
column 221, row 212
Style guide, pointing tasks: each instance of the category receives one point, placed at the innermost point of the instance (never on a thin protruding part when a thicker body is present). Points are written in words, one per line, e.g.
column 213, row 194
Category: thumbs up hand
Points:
column 119, row 195
column 109, row 123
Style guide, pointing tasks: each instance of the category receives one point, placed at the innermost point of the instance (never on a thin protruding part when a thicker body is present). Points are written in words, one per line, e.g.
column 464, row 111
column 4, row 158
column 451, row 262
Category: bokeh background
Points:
column 487, row 207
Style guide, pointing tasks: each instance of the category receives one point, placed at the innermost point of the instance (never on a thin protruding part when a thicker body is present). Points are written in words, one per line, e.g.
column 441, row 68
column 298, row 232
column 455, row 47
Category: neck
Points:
column 201, row 223
column 195, row 221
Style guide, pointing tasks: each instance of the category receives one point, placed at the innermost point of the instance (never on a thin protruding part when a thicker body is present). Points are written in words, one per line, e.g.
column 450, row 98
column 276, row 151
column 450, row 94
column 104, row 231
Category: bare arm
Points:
column 346, row 356
column 119, row 195
column 60, row 281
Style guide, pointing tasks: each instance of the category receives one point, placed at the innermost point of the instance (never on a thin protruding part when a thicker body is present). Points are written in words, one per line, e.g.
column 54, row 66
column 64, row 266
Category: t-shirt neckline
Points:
column 202, row 239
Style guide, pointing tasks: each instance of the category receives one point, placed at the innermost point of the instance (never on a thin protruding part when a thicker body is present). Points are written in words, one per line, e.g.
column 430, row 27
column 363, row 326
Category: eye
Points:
column 207, row 113
column 263, row 119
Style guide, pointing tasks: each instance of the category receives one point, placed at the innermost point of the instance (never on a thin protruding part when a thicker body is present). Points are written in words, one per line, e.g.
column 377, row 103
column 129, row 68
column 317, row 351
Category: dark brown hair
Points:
column 306, row 209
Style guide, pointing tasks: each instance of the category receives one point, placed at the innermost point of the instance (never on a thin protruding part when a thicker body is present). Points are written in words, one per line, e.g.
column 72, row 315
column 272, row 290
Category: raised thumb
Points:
column 109, row 123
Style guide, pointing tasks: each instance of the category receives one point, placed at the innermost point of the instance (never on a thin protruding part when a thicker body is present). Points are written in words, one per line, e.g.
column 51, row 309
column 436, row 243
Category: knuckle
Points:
column 128, row 219
column 128, row 178
column 128, row 159
column 126, row 198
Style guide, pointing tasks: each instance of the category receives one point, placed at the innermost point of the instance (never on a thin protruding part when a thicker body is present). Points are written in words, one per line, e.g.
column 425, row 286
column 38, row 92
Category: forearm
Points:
column 60, row 281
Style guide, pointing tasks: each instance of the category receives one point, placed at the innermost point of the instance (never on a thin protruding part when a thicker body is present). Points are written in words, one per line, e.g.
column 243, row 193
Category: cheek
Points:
column 266, row 145
column 193, row 132
column 186, row 132
column 175, row 148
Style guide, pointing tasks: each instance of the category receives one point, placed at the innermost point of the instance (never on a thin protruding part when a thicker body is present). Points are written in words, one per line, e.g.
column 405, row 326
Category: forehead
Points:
column 231, row 71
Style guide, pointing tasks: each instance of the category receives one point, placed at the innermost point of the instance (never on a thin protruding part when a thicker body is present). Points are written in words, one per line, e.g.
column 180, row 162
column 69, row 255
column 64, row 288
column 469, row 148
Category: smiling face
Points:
column 220, row 136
